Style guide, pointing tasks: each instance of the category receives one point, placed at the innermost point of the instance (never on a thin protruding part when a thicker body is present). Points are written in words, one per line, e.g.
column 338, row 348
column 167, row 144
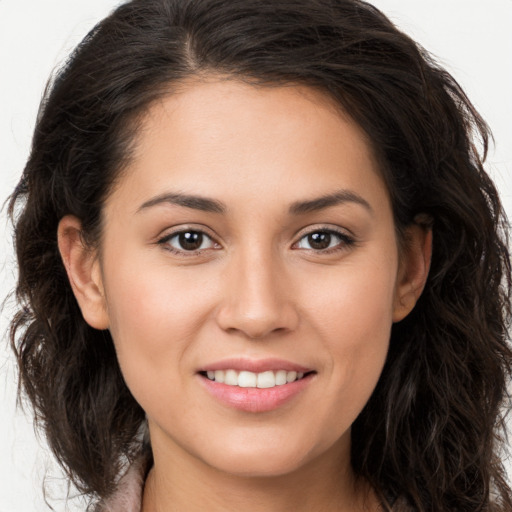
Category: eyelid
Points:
column 177, row 230
column 347, row 238
column 183, row 228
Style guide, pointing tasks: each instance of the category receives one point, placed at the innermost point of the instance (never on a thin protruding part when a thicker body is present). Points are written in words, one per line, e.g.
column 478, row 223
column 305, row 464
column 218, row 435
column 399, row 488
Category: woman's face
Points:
column 250, row 241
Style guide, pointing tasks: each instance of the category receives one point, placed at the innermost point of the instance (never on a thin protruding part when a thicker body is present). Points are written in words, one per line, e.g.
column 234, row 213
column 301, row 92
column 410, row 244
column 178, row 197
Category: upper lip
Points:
column 255, row 365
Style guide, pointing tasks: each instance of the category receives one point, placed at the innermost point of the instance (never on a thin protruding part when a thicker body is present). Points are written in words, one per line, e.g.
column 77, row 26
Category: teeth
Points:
column 291, row 376
column 245, row 379
column 230, row 378
column 280, row 377
column 266, row 380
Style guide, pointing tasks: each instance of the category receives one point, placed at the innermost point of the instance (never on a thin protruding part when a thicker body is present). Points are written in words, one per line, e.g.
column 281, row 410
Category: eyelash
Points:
column 345, row 241
column 164, row 241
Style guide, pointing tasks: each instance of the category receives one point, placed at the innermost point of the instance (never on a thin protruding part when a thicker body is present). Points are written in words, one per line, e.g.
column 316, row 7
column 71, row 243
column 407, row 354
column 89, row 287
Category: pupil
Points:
column 191, row 241
column 319, row 240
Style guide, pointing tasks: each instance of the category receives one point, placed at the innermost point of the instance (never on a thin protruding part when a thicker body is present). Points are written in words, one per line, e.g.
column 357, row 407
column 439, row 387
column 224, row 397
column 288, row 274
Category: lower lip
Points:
column 255, row 399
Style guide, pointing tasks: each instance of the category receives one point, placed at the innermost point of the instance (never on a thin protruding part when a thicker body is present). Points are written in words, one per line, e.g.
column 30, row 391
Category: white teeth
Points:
column 266, row 380
column 291, row 376
column 280, row 377
column 231, row 378
column 245, row 379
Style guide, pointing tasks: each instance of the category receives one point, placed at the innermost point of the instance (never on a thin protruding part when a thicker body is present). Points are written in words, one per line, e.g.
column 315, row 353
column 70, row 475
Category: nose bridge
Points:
column 256, row 302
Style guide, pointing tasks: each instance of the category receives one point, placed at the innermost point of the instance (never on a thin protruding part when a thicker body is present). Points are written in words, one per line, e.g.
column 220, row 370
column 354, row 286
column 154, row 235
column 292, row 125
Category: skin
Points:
column 256, row 289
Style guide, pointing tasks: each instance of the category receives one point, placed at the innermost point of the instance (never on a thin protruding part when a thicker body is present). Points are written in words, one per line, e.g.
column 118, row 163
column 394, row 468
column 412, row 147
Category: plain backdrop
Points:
column 472, row 38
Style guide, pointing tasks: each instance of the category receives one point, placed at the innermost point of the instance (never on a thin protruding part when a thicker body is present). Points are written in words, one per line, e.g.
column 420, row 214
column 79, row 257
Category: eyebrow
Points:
column 327, row 201
column 209, row 205
column 188, row 201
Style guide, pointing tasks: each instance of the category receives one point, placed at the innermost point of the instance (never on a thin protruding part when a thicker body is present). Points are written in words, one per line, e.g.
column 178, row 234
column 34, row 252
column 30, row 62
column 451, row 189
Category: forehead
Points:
column 221, row 137
column 201, row 107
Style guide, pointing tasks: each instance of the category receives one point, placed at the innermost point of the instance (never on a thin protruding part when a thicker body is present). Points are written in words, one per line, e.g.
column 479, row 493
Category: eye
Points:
column 187, row 241
column 324, row 240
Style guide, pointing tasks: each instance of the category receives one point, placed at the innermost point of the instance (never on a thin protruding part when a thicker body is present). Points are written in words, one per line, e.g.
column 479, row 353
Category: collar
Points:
column 128, row 494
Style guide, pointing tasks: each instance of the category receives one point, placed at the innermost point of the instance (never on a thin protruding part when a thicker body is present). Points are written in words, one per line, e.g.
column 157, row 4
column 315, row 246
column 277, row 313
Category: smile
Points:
column 255, row 386
column 247, row 379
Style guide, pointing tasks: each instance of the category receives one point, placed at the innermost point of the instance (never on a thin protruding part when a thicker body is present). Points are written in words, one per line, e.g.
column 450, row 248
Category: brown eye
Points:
column 188, row 241
column 319, row 241
column 324, row 240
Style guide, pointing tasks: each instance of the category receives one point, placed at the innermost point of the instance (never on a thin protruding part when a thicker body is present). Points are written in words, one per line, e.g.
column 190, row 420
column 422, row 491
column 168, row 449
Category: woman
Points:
column 261, row 266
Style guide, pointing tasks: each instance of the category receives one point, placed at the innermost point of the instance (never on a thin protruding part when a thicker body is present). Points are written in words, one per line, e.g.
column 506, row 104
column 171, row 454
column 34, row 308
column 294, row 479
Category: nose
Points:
column 257, row 297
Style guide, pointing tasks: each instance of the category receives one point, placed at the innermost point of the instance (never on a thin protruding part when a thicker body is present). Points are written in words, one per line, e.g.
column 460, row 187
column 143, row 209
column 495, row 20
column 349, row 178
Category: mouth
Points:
column 255, row 386
column 262, row 380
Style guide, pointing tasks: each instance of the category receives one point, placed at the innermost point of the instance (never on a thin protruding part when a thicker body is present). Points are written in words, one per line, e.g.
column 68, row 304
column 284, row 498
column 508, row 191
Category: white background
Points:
column 472, row 38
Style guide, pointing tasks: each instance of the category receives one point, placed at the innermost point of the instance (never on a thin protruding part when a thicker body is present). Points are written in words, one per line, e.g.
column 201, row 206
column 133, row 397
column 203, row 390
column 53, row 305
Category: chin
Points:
column 260, row 465
column 263, row 460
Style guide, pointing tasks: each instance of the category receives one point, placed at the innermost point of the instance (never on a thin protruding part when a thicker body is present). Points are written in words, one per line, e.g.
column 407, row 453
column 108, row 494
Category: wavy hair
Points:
column 429, row 438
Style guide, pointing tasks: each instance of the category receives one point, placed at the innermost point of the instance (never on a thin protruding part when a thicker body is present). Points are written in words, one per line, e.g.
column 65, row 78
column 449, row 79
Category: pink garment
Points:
column 129, row 492
column 128, row 495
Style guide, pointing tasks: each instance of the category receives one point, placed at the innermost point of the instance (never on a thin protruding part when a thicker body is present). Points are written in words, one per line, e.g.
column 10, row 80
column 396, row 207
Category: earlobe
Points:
column 83, row 270
column 413, row 269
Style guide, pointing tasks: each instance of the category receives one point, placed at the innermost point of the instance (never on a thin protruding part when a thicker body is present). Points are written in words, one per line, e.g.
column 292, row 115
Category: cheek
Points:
column 354, row 321
column 153, row 316
column 355, row 303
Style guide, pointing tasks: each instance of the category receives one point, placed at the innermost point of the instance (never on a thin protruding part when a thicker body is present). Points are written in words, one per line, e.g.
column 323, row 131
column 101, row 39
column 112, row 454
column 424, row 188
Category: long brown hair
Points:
column 431, row 433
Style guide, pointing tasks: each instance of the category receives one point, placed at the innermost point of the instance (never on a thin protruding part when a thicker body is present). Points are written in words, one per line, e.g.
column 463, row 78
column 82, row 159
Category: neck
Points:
column 326, row 484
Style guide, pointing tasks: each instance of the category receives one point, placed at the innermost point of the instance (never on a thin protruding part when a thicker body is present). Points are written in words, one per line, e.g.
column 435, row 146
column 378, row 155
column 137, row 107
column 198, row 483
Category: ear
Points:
column 84, row 273
column 413, row 269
